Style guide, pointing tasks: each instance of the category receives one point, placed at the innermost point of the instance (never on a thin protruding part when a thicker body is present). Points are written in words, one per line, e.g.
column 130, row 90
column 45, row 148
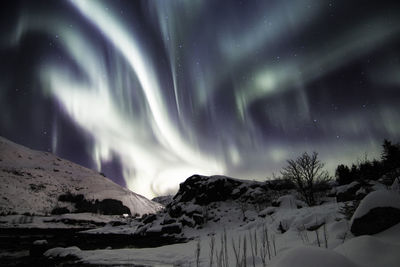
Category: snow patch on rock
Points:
column 376, row 199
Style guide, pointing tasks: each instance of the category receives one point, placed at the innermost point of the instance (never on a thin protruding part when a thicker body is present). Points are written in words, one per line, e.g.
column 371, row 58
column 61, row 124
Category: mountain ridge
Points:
column 32, row 182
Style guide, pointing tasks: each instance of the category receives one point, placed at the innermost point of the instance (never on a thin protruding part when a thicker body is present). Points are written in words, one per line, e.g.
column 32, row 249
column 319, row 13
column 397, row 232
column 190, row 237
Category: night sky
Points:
column 151, row 92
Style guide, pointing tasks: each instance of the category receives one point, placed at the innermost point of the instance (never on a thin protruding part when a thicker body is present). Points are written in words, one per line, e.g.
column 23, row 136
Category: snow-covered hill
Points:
column 32, row 181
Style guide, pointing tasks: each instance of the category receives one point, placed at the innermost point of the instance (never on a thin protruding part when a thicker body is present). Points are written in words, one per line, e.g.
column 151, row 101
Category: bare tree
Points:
column 307, row 173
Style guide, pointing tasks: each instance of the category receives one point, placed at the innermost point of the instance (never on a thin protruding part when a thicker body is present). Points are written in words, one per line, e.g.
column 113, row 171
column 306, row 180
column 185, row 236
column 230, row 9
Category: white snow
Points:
column 310, row 257
column 307, row 230
column 296, row 247
column 267, row 211
column 371, row 251
column 40, row 242
column 380, row 198
column 59, row 252
column 31, row 181
column 289, row 202
column 344, row 188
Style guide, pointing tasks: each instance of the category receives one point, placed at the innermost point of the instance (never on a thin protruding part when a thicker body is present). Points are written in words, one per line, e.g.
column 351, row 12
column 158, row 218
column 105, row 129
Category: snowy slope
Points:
column 236, row 230
column 31, row 181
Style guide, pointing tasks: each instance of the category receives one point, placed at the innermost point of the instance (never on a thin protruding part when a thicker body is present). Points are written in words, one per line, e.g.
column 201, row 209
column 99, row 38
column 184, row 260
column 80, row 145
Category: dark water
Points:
column 16, row 244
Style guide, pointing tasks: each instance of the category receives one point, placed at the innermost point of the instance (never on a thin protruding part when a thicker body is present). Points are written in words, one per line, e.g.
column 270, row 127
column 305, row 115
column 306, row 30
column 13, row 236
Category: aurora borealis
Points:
column 151, row 92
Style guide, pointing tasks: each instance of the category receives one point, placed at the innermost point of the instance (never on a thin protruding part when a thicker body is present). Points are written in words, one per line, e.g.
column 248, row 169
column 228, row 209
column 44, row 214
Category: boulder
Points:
column 175, row 210
column 149, row 218
column 375, row 221
column 168, row 220
column 186, row 221
column 347, row 192
column 377, row 212
column 174, row 228
column 204, row 190
column 198, row 218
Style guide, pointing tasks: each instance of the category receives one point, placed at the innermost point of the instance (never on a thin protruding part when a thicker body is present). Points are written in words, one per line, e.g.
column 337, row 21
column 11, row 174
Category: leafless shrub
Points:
column 308, row 174
column 243, row 207
column 325, row 235
column 274, row 244
column 265, row 249
column 225, row 248
column 212, row 245
column 253, row 243
column 236, row 251
column 197, row 253
column 244, row 251
column 240, row 251
column 222, row 259
column 317, row 235
column 303, row 234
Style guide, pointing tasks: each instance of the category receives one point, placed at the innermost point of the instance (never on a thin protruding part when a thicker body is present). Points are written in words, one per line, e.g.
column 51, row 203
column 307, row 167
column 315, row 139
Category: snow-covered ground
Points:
column 307, row 236
column 295, row 220
column 291, row 249
column 227, row 222
column 32, row 181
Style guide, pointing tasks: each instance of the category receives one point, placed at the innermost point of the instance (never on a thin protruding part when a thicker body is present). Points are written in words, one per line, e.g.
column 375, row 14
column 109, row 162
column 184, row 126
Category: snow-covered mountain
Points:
column 32, row 181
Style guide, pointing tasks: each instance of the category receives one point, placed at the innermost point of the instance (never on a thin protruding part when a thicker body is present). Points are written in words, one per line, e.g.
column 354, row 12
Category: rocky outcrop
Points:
column 347, row 192
column 203, row 190
column 375, row 221
column 377, row 212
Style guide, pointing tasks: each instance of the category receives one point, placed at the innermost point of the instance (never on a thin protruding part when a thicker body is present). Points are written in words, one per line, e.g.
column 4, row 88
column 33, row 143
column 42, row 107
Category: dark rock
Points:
column 281, row 228
column 15, row 172
column 175, row 228
column 141, row 230
column 348, row 194
column 163, row 200
column 37, row 187
column 204, row 190
column 175, row 210
column 186, row 221
column 112, row 207
column 198, row 218
column 375, row 221
column 275, row 204
column 106, row 206
column 169, row 220
column 59, row 211
column 149, row 218
column 117, row 223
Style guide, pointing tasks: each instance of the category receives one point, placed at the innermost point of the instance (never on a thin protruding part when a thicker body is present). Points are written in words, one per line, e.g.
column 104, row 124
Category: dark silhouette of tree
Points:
column 388, row 166
column 390, row 156
column 308, row 174
column 343, row 175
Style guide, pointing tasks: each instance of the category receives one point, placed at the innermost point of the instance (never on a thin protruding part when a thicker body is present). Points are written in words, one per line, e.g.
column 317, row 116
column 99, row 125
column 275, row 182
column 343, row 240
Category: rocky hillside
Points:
column 40, row 182
column 215, row 201
column 212, row 200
